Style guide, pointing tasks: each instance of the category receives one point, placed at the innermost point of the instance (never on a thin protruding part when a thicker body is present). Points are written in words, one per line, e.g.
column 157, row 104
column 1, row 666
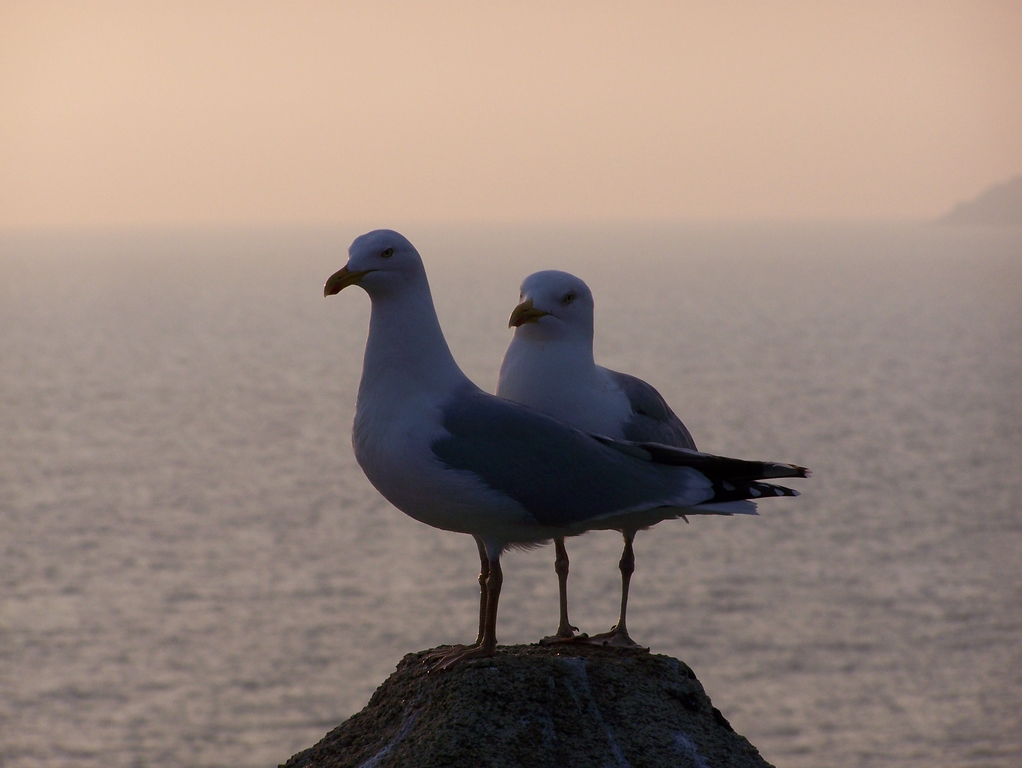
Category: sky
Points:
column 126, row 114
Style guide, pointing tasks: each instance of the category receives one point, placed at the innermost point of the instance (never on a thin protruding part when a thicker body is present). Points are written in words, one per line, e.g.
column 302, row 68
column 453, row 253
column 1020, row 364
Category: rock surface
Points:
column 537, row 706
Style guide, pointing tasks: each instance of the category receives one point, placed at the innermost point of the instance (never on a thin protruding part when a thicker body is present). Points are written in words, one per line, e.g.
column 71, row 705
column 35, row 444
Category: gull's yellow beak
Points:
column 525, row 313
column 341, row 279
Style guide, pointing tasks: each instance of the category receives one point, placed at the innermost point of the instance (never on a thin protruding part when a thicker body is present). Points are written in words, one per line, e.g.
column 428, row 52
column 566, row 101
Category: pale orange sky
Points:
column 138, row 113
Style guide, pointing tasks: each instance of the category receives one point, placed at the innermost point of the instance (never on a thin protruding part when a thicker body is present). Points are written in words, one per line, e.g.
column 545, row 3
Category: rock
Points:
column 557, row 706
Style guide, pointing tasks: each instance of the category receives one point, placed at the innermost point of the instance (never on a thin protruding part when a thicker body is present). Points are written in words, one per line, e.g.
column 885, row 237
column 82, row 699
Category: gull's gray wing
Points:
column 561, row 475
column 564, row 476
column 652, row 420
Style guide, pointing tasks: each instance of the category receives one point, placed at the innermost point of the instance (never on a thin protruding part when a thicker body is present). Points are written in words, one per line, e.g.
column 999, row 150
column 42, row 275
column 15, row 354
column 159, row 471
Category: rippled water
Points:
column 195, row 572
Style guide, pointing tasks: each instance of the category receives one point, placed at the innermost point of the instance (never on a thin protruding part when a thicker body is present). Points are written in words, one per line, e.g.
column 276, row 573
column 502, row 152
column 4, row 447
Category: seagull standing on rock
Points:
column 549, row 367
column 454, row 457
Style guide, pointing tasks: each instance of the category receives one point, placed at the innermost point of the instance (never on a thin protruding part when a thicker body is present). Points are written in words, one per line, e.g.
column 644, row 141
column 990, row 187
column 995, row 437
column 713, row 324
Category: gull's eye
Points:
column 387, row 253
column 568, row 298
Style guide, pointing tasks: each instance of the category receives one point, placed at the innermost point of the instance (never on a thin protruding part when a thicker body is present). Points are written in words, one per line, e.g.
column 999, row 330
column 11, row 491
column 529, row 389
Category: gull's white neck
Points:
column 406, row 352
column 549, row 374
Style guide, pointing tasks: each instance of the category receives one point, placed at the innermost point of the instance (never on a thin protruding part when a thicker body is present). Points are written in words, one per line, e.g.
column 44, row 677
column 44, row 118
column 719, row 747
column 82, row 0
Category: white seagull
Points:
column 549, row 367
column 454, row 457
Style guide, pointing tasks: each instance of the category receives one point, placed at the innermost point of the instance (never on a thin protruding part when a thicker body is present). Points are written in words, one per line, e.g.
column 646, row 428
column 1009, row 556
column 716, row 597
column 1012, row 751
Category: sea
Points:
column 195, row 572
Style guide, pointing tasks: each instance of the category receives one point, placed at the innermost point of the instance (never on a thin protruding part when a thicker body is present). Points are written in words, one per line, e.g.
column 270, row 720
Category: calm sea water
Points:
column 194, row 571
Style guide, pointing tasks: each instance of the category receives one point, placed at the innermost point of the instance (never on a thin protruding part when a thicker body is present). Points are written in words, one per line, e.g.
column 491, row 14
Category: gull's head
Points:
column 378, row 261
column 553, row 305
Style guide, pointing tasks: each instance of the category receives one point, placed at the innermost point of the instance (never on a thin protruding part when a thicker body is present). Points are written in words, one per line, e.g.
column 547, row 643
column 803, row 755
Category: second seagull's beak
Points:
column 342, row 278
column 525, row 313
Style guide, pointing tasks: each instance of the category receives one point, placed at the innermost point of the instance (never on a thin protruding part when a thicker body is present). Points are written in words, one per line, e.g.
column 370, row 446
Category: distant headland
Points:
column 999, row 205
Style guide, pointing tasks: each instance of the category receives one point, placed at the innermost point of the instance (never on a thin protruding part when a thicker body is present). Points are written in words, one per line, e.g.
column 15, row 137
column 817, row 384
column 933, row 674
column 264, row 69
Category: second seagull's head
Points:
column 553, row 305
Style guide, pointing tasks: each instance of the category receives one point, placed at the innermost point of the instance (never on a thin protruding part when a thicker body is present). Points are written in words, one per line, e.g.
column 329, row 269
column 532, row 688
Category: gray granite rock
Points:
column 537, row 706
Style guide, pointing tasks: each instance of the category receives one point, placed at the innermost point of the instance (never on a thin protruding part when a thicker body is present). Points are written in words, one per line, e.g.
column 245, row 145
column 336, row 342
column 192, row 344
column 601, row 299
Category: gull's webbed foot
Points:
column 441, row 652
column 462, row 653
column 565, row 635
column 616, row 638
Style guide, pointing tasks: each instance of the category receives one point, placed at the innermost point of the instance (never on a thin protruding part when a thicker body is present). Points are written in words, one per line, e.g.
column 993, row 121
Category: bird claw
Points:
column 565, row 638
column 460, row 653
column 438, row 654
column 615, row 639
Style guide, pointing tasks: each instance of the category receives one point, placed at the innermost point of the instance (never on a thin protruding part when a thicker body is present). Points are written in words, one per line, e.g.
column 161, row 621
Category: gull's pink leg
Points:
column 618, row 635
column 565, row 632
column 487, row 644
column 484, row 573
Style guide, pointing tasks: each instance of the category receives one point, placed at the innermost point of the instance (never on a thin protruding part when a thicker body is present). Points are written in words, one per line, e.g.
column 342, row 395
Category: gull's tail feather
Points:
column 722, row 467
column 717, row 468
column 735, row 490
column 727, row 508
column 739, row 497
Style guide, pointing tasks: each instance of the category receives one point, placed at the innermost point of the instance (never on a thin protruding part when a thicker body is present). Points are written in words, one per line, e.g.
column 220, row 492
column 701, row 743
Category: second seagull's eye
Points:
column 568, row 298
column 387, row 253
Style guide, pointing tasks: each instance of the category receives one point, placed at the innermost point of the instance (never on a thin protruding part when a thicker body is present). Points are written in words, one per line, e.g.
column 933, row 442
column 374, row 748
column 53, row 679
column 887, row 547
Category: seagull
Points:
column 549, row 367
column 454, row 457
